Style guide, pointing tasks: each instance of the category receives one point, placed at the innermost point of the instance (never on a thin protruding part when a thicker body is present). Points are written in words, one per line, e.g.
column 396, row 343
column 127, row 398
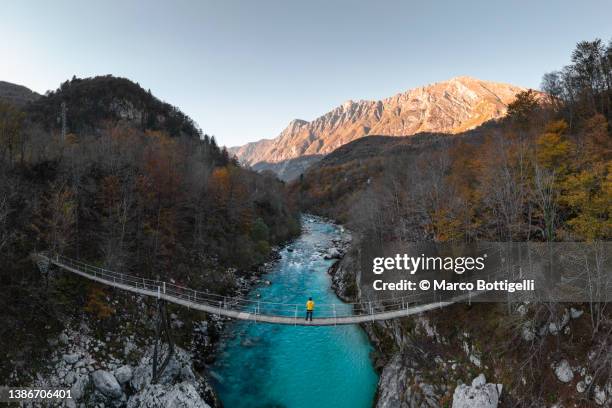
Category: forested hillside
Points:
column 90, row 101
column 543, row 173
column 134, row 186
column 16, row 94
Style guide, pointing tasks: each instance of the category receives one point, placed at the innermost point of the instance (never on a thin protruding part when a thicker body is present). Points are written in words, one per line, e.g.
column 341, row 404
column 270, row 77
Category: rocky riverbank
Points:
column 484, row 355
column 115, row 370
column 108, row 362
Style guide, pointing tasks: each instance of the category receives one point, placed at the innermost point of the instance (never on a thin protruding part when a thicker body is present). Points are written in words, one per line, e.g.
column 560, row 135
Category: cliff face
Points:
column 451, row 107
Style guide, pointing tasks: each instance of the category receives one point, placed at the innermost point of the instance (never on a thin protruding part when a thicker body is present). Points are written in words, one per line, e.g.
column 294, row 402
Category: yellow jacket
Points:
column 310, row 305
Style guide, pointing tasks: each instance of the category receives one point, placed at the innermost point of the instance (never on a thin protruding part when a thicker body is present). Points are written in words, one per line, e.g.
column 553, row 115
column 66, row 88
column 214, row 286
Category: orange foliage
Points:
column 97, row 303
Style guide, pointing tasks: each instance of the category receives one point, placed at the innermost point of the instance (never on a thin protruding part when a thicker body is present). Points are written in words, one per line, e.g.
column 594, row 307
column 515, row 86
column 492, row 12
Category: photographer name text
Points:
column 443, row 285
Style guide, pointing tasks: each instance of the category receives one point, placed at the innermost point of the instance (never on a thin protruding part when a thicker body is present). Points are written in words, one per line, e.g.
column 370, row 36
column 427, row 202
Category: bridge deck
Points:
column 193, row 299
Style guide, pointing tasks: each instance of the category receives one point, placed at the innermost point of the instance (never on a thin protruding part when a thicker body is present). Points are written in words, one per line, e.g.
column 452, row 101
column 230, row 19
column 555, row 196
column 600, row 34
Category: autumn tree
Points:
column 553, row 148
column 551, row 166
column 56, row 218
column 587, row 191
column 584, row 87
column 11, row 136
column 97, row 303
column 521, row 110
column 504, row 187
column 7, row 192
column 116, row 200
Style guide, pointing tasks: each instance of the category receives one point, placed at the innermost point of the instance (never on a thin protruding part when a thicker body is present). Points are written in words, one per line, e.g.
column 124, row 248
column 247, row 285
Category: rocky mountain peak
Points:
column 452, row 106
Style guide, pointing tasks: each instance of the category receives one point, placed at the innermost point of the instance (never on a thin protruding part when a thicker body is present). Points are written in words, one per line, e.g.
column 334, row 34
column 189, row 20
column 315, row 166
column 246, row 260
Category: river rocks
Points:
column 201, row 327
column 71, row 358
column 478, row 395
column 181, row 395
column 332, row 253
column 343, row 278
column 202, row 345
column 107, row 384
column 563, row 371
column 178, row 369
column 129, row 347
column 77, row 391
column 99, row 371
column 69, row 378
column 177, row 386
column 123, row 374
column 63, row 339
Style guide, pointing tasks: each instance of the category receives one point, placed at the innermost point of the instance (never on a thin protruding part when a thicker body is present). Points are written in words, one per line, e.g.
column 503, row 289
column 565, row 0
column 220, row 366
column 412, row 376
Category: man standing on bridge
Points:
column 309, row 309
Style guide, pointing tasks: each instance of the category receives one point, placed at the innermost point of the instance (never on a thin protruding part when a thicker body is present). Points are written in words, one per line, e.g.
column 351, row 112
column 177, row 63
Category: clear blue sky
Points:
column 244, row 69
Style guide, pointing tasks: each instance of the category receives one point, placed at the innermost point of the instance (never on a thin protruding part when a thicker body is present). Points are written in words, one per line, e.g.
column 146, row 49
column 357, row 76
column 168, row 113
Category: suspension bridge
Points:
column 252, row 309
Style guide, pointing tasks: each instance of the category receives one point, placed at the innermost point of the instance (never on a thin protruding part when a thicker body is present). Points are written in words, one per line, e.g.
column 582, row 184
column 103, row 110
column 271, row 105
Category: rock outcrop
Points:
column 478, row 395
column 97, row 377
column 404, row 387
column 178, row 385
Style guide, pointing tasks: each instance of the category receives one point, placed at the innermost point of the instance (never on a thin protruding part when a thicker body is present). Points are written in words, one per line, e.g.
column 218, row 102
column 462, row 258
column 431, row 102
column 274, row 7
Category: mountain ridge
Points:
column 452, row 106
column 16, row 94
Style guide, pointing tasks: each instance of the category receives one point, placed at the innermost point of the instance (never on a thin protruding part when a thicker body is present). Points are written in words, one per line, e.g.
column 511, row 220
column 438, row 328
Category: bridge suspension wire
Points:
column 254, row 309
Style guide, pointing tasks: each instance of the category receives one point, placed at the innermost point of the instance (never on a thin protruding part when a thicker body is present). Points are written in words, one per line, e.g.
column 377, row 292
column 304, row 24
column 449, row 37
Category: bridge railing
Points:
column 161, row 288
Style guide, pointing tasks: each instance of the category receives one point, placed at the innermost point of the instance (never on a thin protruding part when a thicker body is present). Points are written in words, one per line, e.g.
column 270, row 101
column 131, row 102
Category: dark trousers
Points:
column 309, row 315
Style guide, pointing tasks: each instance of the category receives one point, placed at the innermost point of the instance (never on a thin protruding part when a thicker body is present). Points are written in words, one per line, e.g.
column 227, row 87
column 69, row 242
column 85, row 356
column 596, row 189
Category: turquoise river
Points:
column 264, row 365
